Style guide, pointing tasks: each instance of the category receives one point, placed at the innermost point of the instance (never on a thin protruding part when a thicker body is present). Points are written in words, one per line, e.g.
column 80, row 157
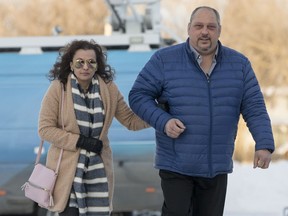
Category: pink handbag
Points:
column 40, row 185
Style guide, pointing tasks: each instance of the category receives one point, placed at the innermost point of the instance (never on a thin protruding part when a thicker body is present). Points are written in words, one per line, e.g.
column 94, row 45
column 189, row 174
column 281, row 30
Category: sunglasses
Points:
column 79, row 63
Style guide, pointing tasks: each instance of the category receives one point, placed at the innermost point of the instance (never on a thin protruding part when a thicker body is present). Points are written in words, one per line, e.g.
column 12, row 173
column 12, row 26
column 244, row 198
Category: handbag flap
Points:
column 43, row 177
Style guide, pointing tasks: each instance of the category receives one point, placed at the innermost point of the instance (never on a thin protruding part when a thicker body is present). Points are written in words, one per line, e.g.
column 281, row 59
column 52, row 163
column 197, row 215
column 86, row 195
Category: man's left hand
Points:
column 262, row 159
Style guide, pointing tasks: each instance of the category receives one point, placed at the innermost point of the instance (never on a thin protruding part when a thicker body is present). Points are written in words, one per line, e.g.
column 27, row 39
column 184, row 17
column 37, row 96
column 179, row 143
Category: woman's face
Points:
column 84, row 66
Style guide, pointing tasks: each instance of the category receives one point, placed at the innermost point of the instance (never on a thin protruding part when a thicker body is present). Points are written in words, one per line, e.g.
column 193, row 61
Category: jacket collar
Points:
column 194, row 57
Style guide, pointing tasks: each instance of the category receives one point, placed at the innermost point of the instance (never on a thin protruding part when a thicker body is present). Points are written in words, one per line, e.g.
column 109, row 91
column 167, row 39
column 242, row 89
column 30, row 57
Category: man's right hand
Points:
column 174, row 127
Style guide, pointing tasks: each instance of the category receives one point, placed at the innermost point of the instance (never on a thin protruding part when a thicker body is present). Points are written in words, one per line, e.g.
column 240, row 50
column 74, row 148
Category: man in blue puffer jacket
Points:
column 193, row 94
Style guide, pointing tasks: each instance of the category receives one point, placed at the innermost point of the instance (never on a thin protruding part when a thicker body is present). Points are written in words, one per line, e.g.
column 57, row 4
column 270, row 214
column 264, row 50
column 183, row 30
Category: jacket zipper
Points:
column 210, row 129
column 207, row 76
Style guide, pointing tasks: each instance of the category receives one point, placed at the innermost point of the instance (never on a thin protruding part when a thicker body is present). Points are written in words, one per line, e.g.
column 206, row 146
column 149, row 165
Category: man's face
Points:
column 204, row 31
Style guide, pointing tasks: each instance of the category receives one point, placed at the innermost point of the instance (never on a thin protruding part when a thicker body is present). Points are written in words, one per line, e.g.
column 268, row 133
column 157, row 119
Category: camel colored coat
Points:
column 50, row 129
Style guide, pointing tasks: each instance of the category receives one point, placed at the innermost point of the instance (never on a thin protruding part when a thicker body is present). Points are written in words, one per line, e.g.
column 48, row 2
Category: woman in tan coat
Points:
column 83, row 82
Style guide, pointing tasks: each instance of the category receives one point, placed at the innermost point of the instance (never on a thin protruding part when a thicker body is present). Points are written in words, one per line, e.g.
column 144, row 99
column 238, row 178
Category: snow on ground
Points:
column 257, row 192
column 254, row 192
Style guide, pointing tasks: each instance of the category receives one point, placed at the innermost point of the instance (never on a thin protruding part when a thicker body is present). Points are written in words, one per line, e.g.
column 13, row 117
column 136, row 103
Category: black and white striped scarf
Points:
column 90, row 186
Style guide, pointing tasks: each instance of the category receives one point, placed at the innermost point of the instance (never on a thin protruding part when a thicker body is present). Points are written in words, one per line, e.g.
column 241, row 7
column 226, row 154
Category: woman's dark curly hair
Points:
column 61, row 69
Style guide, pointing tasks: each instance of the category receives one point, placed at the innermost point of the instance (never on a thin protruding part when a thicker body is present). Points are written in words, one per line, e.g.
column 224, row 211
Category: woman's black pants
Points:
column 69, row 211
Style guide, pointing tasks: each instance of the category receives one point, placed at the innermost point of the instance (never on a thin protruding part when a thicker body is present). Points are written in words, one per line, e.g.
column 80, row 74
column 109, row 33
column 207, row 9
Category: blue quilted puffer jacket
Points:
column 209, row 108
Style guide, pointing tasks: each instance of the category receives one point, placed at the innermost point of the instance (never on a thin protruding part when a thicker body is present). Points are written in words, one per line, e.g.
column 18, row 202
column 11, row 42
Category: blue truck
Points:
column 24, row 64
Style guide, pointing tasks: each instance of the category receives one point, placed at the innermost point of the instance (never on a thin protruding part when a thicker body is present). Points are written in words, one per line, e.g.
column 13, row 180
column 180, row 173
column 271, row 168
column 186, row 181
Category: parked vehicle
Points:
column 25, row 62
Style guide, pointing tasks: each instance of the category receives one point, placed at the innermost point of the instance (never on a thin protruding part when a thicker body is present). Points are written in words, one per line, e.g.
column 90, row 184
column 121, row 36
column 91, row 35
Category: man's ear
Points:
column 220, row 29
column 188, row 26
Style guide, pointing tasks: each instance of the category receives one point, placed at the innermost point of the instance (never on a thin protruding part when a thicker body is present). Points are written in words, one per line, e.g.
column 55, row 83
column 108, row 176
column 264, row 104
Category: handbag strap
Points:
column 42, row 141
